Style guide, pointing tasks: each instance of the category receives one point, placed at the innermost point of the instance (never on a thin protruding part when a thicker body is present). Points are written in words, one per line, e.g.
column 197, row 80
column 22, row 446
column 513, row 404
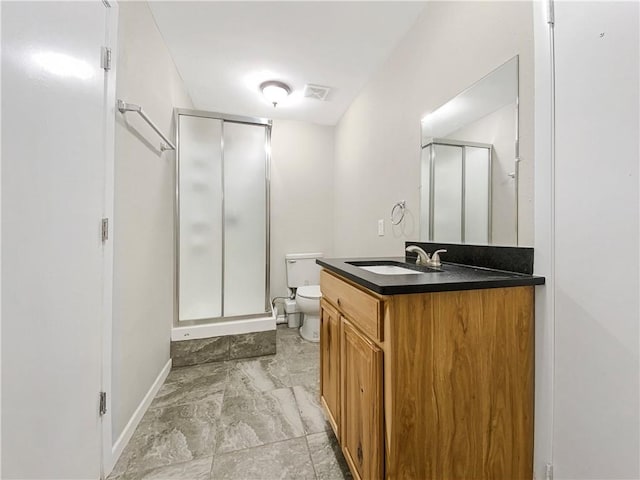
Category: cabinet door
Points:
column 330, row 365
column 361, row 404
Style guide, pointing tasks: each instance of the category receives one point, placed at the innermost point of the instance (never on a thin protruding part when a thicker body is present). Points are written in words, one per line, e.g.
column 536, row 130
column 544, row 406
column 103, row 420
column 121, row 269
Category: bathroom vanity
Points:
column 428, row 374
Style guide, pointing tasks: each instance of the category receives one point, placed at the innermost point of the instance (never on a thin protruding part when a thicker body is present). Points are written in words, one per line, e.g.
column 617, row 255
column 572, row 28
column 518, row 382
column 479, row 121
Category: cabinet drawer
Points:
column 364, row 310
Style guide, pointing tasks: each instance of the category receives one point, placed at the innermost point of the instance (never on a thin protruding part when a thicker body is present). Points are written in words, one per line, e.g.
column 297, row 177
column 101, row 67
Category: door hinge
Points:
column 105, row 58
column 105, row 229
column 103, row 403
column 548, row 471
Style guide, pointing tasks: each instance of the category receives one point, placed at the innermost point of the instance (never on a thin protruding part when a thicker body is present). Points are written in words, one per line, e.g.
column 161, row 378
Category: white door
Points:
column 55, row 190
column 596, row 403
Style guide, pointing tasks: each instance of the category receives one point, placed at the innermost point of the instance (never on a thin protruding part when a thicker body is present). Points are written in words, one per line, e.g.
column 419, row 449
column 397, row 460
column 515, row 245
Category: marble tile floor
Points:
column 249, row 419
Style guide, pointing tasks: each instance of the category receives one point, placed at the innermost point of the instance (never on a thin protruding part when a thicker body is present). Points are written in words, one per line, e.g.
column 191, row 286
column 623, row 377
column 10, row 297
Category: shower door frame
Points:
column 224, row 117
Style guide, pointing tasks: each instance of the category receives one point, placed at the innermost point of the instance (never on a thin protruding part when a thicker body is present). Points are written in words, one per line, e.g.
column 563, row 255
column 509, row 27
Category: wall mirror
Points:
column 469, row 164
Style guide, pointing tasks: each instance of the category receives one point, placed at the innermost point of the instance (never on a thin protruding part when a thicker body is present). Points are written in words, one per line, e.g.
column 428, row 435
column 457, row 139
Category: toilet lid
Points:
column 309, row 291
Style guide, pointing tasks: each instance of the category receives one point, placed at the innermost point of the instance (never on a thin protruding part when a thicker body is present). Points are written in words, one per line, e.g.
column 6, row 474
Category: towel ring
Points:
column 396, row 217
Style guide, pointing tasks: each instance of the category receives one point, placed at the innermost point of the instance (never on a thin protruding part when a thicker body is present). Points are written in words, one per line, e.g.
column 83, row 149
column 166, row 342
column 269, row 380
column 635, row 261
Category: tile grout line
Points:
column 149, row 470
column 313, row 465
column 263, row 445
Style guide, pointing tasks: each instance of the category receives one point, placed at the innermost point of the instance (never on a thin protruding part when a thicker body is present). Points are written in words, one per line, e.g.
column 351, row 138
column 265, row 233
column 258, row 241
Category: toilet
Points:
column 303, row 277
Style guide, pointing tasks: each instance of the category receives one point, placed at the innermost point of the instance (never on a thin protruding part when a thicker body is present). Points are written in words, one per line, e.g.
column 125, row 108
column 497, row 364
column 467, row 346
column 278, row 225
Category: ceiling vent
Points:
column 317, row 92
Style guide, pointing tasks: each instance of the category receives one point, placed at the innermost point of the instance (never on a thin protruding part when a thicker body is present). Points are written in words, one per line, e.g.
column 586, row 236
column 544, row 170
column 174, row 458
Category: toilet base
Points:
column 310, row 329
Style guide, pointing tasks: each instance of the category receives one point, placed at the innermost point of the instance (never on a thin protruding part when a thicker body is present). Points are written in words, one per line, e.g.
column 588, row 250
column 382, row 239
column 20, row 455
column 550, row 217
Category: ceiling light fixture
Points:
column 275, row 91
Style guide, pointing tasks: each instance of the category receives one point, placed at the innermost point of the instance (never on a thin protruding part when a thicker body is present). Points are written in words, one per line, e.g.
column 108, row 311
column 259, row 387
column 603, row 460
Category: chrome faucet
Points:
column 435, row 258
column 424, row 258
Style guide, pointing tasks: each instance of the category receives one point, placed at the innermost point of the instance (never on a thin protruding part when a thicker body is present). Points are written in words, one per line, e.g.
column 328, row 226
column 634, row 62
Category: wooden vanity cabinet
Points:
column 361, row 403
column 431, row 386
column 330, row 364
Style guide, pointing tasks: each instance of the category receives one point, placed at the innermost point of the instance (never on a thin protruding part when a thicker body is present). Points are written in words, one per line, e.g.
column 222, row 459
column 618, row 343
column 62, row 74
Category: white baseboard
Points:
column 127, row 433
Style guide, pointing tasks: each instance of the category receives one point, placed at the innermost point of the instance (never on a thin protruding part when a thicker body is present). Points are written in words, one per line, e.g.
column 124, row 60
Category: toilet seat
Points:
column 311, row 292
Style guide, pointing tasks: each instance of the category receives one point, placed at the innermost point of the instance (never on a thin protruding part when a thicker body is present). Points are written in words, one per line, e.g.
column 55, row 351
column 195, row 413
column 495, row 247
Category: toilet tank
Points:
column 302, row 269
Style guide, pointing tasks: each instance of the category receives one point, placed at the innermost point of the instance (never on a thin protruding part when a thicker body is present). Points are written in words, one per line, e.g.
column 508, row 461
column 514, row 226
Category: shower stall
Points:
column 222, row 225
column 456, row 191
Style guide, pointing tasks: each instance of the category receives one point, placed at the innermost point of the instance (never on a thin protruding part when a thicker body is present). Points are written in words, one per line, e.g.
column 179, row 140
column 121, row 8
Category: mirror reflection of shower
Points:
column 456, row 196
column 482, row 120
column 222, row 209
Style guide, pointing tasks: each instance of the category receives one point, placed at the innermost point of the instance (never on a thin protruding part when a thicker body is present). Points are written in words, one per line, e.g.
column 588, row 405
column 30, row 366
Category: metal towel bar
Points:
column 130, row 107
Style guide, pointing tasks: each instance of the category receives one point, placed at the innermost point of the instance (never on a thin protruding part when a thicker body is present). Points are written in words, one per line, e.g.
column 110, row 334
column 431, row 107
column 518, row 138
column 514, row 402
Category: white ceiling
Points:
column 224, row 50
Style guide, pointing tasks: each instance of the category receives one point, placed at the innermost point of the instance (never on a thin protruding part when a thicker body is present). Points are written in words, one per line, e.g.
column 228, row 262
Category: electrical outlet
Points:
column 381, row 227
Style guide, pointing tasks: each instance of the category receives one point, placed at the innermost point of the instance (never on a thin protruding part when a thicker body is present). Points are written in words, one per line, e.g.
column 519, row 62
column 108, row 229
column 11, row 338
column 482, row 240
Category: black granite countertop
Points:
column 448, row 277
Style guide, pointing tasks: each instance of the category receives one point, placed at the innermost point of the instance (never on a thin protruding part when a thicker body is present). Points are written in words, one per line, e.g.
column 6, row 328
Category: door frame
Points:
column 108, row 150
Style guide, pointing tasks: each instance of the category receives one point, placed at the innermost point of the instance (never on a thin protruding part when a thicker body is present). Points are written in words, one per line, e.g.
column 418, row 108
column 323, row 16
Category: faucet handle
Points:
column 435, row 257
column 423, row 257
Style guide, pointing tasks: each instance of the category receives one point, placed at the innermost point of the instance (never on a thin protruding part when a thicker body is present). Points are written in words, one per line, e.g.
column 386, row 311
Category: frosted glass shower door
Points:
column 245, row 219
column 447, row 193
column 477, row 170
column 455, row 200
column 200, row 211
column 223, row 207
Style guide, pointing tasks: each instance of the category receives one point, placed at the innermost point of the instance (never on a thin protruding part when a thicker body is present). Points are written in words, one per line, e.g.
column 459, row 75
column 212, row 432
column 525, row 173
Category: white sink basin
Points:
column 390, row 270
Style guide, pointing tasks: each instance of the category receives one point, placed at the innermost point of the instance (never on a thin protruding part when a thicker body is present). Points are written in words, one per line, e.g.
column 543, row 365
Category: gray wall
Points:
column 377, row 154
column 143, row 221
column 301, row 194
